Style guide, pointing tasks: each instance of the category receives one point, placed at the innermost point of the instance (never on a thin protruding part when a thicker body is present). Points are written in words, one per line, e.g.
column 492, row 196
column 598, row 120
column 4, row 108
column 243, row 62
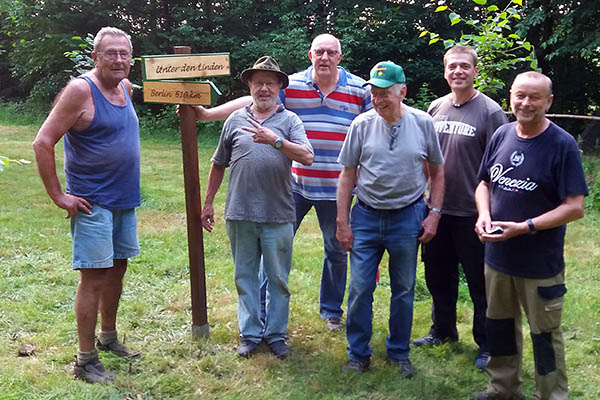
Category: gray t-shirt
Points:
column 260, row 180
column 391, row 157
column 464, row 133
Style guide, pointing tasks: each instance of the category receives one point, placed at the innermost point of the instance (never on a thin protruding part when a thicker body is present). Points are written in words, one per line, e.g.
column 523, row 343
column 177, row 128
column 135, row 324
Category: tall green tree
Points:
column 568, row 34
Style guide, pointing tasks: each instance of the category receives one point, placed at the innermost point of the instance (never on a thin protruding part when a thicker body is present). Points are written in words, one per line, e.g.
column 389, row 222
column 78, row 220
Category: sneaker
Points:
column 432, row 340
column 246, row 348
column 92, row 372
column 356, row 366
column 482, row 360
column 119, row 349
column 404, row 366
column 280, row 349
column 334, row 323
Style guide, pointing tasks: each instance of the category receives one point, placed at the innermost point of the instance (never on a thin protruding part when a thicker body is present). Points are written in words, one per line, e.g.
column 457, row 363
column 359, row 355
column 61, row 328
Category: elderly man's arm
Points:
column 215, row 177
column 221, row 112
column 63, row 117
column 570, row 209
column 436, row 198
column 346, row 183
column 293, row 151
column 297, row 152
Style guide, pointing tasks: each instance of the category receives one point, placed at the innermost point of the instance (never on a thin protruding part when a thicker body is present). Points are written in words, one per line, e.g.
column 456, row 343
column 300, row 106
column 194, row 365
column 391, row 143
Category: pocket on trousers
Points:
column 552, row 300
column 555, row 292
column 552, row 292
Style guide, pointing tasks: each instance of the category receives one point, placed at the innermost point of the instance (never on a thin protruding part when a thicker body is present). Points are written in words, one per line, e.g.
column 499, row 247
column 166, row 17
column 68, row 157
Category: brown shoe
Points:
column 334, row 323
column 359, row 366
column 92, row 372
column 119, row 349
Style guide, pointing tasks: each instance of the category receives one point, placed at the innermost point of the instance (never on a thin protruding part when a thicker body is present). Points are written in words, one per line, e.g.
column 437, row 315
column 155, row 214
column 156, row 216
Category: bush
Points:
column 591, row 166
column 162, row 122
column 21, row 114
column 423, row 98
column 44, row 92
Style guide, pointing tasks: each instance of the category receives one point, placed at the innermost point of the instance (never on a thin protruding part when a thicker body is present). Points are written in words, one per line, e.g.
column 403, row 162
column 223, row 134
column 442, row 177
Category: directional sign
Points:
column 180, row 66
column 180, row 92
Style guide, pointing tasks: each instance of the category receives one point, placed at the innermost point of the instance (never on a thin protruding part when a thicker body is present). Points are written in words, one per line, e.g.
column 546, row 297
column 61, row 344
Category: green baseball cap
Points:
column 385, row 73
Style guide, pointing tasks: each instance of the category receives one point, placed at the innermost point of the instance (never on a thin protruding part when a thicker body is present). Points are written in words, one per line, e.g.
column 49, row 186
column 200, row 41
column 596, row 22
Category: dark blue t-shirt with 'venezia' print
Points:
column 528, row 177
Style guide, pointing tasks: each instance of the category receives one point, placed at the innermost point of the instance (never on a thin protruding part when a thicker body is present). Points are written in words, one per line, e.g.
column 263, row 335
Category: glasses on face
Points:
column 113, row 55
column 330, row 53
column 269, row 85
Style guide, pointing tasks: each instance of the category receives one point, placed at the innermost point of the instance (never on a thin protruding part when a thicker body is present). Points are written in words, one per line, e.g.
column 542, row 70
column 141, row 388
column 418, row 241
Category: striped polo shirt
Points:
column 326, row 121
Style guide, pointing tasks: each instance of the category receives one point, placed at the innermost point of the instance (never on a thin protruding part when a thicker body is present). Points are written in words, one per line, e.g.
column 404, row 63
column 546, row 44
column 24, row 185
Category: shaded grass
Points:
column 37, row 290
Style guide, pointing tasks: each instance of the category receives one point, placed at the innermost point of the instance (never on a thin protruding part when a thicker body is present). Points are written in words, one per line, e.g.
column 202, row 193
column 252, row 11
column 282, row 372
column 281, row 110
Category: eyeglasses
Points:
column 113, row 55
column 330, row 53
column 269, row 85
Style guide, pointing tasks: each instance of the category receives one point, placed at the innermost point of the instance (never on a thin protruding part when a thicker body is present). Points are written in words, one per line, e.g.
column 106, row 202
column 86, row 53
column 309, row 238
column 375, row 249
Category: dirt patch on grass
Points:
column 152, row 221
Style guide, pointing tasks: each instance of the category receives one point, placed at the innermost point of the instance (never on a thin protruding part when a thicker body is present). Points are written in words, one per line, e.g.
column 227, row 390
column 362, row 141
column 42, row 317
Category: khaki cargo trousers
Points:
column 542, row 300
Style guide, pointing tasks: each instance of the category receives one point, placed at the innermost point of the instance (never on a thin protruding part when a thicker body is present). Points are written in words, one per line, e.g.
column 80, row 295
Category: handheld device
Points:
column 496, row 230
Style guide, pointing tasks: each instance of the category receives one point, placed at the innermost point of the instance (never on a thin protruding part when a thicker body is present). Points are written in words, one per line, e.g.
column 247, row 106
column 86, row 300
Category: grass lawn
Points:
column 37, row 288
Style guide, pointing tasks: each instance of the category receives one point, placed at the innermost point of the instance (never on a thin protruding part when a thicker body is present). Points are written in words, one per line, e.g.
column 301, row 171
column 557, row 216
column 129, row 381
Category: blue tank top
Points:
column 102, row 162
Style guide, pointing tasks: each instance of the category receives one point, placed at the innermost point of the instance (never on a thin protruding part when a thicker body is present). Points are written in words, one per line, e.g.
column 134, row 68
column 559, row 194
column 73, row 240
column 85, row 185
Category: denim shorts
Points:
column 103, row 236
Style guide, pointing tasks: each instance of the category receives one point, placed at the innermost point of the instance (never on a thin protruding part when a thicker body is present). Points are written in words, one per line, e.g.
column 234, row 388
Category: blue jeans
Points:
column 335, row 258
column 376, row 231
column 251, row 241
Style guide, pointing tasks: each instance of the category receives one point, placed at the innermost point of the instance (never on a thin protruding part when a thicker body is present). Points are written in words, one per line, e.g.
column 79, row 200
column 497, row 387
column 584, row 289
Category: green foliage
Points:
column 568, row 47
column 20, row 114
column 161, row 123
column 81, row 56
column 490, row 33
column 44, row 92
column 35, row 35
column 423, row 98
column 591, row 166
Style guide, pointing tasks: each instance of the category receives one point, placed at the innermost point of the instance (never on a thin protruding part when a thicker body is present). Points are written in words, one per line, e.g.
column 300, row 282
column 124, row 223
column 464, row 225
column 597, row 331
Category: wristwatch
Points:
column 278, row 143
column 437, row 210
column 532, row 230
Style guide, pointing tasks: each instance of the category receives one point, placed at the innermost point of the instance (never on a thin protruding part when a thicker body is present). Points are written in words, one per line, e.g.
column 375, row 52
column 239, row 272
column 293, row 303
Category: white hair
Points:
column 326, row 36
column 109, row 30
column 398, row 88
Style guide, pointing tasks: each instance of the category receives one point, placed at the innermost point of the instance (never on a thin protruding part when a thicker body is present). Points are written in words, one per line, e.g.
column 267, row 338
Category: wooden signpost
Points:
column 161, row 86
column 184, row 65
column 180, row 92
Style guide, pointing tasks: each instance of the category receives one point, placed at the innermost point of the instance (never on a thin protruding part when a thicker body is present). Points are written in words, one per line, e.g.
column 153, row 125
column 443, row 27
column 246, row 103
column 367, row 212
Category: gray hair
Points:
column 397, row 88
column 536, row 75
column 326, row 36
column 109, row 30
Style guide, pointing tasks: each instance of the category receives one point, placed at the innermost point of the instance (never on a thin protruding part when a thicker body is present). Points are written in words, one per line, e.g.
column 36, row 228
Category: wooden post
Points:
column 193, row 206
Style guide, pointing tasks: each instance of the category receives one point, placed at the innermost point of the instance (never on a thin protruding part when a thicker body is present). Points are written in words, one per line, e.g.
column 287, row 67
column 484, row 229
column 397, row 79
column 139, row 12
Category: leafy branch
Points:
column 82, row 55
column 5, row 162
column 491, row 36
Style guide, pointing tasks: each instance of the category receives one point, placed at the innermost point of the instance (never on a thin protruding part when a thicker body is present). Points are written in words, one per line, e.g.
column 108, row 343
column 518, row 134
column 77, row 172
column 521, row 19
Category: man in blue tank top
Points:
column 102, row 167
